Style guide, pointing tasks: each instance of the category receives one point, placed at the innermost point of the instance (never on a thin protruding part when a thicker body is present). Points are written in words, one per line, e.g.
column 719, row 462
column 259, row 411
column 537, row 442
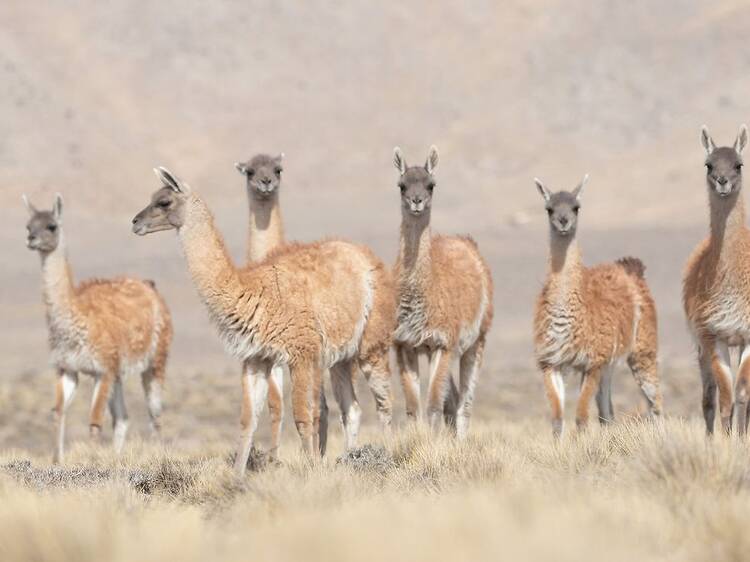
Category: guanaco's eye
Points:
column 738, row 167
column 250, row 172
column 575, row 209
column 52, row 227
column 430, row 186
column 278, row 170
column 164, row 203
column 549, row 212
column 402, row 187
column 709, row 167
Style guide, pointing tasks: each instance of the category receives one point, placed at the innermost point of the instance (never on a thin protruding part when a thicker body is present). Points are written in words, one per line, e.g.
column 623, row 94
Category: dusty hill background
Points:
column 93, row 95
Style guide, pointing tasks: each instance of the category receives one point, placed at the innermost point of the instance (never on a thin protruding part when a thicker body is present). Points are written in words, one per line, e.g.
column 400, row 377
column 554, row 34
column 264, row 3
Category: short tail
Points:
column 632, row 266
column 150, row 282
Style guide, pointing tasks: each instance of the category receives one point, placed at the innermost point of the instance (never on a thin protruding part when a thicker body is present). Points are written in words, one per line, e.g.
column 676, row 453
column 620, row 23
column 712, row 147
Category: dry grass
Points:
column 635, row 491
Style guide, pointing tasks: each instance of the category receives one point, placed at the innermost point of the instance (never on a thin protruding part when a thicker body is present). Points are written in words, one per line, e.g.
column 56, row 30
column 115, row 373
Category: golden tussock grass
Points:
column 647, row 491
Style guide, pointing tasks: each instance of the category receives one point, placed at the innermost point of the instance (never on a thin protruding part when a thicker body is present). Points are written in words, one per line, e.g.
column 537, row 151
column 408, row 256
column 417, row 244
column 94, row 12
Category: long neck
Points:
column 727, row 223
column 57, row 281
column 415, row 245
column 213, row 272
column 565, row 267
column 266, row 230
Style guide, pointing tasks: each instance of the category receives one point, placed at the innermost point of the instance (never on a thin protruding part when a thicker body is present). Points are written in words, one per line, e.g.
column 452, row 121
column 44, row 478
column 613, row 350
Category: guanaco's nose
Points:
column 266, row 181
column 563, row 221
column 722, row 180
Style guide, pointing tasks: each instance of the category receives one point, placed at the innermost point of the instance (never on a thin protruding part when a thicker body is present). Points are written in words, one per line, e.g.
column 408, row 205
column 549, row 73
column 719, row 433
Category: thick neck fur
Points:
column 266, row 228
column 565, row 269
column 213, row 272
column 57, row 281
column 727, row 225
column 414, row 252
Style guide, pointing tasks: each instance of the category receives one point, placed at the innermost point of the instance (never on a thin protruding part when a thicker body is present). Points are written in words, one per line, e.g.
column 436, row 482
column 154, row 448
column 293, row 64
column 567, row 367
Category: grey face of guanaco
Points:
column 562, row 207
column 167, row 208
column 43, row 228
column 724, row 164
column 416, row 183
column 263, row 175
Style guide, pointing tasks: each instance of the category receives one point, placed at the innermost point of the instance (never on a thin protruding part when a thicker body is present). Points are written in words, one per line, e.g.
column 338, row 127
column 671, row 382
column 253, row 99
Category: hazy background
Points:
column 93, row 95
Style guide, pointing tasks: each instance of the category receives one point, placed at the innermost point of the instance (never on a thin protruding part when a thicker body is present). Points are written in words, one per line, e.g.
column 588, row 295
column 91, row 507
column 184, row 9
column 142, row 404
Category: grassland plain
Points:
column 636, row 490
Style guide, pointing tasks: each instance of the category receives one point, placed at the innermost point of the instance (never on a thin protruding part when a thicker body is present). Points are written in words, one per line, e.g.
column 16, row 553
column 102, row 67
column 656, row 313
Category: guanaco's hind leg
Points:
column 438, row 386
column 708, row 401
column 743, row 390
column 377, row 372
column 604, row 396
column 276, row 407
column 67, row 383
column 119, row 415
column 254, row 391
column 343, row 390
column 99, row 400
column 589, row 385
column 304, row 388
column 470, row 363
column 717, row 357
column 554, row 386
column 152, row 381
column 408, row 366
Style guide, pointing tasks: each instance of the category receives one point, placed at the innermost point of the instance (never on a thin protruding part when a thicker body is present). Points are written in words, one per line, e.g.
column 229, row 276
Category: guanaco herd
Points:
column 333, row 306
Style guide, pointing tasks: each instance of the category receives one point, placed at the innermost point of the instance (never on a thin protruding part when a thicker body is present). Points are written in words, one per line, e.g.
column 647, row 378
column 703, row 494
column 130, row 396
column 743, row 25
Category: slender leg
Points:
column 438, row 386
column 722, row 375
column 119, row 415
column 471, row 362
column 589, row 385
column 408, row 365
column 378, row 375
column 152, row 383
column 604, row 397
column 450, row 406
column 323, row 421
column 644, row 369
column 303, row 375
column 554, row 386
column 254, row 392
column 98, row 402
column 67, row 383
column 343, row 390
column 276, row 407
column 743, row 390
column 708, row 403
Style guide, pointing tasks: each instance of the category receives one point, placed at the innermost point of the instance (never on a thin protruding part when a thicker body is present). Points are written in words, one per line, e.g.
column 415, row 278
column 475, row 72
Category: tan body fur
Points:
column 444, row 305
column 587, row 319
column 716, row 290
column 107, row 329
column 308, row 306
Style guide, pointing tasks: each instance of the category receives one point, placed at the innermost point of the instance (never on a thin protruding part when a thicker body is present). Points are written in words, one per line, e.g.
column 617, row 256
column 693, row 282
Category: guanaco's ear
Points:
column 241, row 167
column 579, row 187
column 279, row 157
column 29, row 207
column 399, row 161
column 171, row 181
column 707, row 141
column 432, row 159
column 741, row 142
column 542, row 189
column 57, row 207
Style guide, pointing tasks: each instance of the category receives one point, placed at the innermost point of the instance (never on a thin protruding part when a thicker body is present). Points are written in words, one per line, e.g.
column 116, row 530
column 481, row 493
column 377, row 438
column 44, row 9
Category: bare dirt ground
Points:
column 93, row 95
